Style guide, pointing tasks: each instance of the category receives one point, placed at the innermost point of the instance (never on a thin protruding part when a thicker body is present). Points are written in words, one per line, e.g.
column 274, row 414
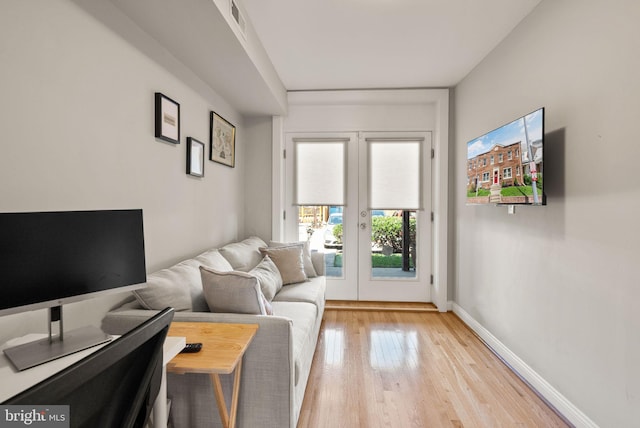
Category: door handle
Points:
column 363, row 226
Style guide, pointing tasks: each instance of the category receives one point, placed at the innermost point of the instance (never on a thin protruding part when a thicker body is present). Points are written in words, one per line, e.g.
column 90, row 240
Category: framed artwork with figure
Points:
column 222, row 141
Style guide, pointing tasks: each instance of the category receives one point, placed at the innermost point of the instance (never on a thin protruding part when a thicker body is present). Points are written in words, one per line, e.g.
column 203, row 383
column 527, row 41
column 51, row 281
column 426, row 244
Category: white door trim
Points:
column 438, row 100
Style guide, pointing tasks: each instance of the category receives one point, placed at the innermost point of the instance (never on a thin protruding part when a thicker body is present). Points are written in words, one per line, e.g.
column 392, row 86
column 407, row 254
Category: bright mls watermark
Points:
column 34, row 416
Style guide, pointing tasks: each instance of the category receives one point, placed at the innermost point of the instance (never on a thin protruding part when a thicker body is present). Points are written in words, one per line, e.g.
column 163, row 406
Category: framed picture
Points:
column 195, row 157
column 222, row 141
column 167, row 119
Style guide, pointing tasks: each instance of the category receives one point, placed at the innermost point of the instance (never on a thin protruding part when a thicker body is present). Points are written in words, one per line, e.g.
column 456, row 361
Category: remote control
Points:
column 190, row 348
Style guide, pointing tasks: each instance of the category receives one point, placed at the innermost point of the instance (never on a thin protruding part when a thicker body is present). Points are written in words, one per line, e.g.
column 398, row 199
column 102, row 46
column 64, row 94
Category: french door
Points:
column 377, row 245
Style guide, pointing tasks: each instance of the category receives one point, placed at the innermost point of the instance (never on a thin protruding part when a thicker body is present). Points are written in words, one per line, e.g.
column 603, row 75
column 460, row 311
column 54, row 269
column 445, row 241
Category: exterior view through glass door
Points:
column 377, row 240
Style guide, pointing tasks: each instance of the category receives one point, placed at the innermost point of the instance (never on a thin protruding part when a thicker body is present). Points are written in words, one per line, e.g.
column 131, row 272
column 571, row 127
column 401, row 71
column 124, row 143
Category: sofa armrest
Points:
column 268, row 370
column 120, row 321
column 317, row 258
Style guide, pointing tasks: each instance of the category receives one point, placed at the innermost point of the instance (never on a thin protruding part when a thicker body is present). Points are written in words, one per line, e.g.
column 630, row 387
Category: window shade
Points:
column 394, row 174
column 319, row 171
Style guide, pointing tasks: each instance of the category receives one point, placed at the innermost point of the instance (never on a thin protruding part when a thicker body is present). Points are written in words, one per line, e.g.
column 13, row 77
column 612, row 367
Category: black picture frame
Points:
column 195, row 157
column 167, row 119
column 222, row 141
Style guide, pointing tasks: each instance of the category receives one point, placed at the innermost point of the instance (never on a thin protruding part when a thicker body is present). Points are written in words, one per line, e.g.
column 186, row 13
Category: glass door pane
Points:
column 322, row 227
column 321, row 220
column 393, row 244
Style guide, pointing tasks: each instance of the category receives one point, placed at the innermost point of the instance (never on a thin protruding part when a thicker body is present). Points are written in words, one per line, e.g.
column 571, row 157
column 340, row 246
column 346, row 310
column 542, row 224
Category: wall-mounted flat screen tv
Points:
column 505, row 166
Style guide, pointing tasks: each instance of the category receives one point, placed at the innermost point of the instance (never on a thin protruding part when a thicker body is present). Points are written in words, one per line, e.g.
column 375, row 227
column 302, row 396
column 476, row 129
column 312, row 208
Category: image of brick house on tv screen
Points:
column 504, row 166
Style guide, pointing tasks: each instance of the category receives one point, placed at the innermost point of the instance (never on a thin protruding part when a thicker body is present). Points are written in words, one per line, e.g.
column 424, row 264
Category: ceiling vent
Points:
column 238, row 18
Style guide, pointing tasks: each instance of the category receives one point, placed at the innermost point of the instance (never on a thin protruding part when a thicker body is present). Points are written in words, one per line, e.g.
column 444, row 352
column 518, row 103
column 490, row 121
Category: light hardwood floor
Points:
column 385, row 368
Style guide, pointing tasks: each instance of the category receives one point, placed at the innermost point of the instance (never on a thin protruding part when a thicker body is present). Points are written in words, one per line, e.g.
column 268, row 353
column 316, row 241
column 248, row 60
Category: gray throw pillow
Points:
column 268, row 277
column 232, row 292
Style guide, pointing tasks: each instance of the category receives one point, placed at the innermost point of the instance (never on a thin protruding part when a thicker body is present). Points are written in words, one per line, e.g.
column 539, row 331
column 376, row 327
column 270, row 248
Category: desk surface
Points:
column 13, row 381
column 223, row 346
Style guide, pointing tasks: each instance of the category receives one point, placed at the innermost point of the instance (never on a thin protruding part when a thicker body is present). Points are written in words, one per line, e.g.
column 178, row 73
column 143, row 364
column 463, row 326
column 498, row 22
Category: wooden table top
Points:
column 223, row 346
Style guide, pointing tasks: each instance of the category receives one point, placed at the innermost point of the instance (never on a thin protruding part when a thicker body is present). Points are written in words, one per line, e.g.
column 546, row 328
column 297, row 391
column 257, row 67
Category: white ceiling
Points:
column 358, row 44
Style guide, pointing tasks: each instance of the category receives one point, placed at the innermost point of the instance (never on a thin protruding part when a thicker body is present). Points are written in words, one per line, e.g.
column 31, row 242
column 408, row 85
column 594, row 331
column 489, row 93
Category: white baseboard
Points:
column 569, row 411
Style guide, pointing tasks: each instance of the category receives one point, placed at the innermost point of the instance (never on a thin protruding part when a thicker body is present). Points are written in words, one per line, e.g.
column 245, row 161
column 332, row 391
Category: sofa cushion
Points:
column 178, row 287
column 289, row 261
column 233, row 291
column 244, row 255
column 319, row 263
column 214, row 260
column 268, row 277
column 303, row 316
column 312, row 291
column 306, row 255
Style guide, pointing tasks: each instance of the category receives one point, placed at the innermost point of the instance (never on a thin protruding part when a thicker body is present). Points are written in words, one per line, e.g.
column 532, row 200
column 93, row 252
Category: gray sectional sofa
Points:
column 278, row 361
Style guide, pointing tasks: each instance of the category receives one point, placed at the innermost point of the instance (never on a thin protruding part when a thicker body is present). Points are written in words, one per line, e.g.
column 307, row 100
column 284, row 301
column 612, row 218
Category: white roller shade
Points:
column 319, row 171
column 395, row 174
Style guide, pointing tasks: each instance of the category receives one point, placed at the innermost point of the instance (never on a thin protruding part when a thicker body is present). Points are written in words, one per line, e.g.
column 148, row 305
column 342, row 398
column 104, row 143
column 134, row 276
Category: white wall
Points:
column 558, row 285
column 257, row 189
column 77, row 132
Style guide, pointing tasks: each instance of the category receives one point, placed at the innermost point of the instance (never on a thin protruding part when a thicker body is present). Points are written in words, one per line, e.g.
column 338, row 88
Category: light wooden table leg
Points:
column 235, row 395
column 228, row 418
column 222, row 406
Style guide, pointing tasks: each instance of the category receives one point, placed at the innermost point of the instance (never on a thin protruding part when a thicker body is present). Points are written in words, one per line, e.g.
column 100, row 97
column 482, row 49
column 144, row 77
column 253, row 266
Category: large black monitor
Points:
column 115, row 386
column 48, row 259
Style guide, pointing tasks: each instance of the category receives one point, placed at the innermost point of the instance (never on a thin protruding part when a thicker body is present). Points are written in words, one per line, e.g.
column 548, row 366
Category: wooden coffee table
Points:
column 223, row 346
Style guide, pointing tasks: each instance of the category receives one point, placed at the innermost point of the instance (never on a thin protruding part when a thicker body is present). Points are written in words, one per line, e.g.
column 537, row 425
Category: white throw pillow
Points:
column 306, row 255
column 289, row 262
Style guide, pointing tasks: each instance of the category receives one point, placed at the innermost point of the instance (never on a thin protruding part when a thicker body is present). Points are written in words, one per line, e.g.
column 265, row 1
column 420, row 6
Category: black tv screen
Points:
column 505, row 166
column 51, row 258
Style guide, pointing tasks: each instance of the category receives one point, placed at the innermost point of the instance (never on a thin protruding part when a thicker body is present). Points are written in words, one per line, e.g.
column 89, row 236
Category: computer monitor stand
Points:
column 53, row 347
